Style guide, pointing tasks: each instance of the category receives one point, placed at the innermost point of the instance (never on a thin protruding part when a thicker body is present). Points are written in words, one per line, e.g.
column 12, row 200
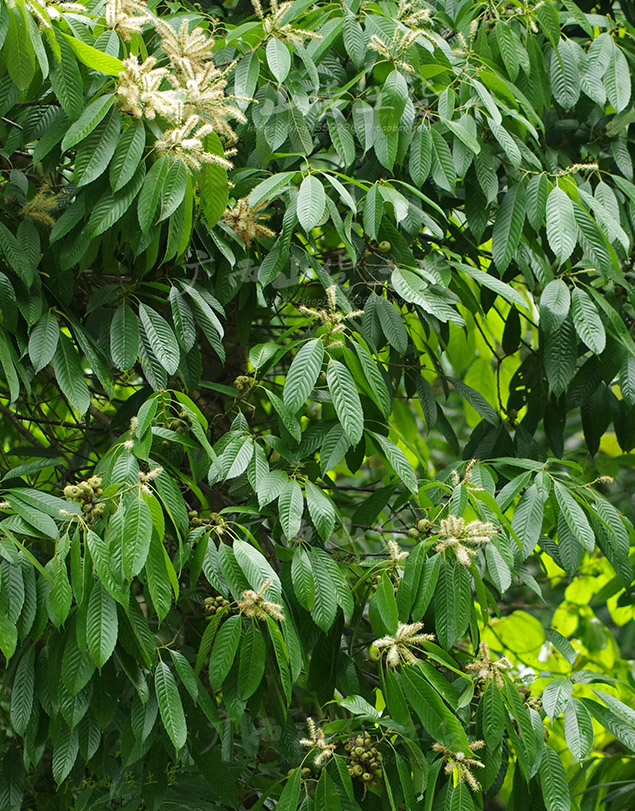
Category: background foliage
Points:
column 318, row 404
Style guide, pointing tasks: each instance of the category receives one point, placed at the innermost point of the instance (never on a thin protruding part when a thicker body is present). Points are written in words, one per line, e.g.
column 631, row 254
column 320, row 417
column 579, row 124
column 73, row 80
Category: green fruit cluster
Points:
column 214, row 604
column 85, row 494
column 364, row 758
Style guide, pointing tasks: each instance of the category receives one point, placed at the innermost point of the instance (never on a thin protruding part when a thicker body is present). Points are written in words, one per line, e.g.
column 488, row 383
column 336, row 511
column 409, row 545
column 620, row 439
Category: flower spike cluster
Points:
column 397, row 555
column 254, row 606
column 460, row 764
column 399, row 646
column 244, row 221
column 189, row 93
column 318, row 741
column 486, row 668
column 186, row 143
column 464, row 539
column 273, row 24
column 127, row 16
column 331, row 318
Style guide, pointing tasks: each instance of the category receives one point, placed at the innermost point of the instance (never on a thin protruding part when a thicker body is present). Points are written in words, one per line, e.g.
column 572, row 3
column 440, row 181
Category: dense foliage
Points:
column 317, row 398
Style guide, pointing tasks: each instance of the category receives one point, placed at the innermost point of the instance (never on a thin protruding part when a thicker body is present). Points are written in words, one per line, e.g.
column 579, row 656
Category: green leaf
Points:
column 565, row 74
column 270, row 187
column 43, row 341
column 587, row 321
column 278, row 59
column 128, row 154
column 508, row 226
column 443, row 171
column 158, row 577
column 65, row 750
column 150, row 192
column 341, row 137
column 325, row 604
column 88, row 120
column 561, row 227
column 170, row 706
column 96, row 150
column 302, row 578
column 290, row 795
column 560, row 353
column 303, row 374
column 420, row 156
column 346, row 400
column 113, row 205
column 386, row 603
column 251, row 667
column 556, row 696
column 578, row 729
column 399, row 461
column 101, row 625
column 617, row 79
column 257, row 570
column 137, row 535
column 311, row 201
column 553, row 781
column 291, row 507
column 391, row 102
column 161, row 338
column 23, row 691
column 93, row 58
column 19, row 56
column 437, row 718
column 70, row 375
column 212, row 183
column 555, row 302
column 493, row 714
column 574, row 516
column 224, row 651
column 174, row 189
column 124, row 337
column 321, row 510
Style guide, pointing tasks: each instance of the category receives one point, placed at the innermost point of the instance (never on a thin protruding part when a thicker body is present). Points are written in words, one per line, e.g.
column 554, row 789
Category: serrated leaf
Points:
column 561, row 226
column 161, row 338
column 101, row 625
column 23, row 691
column 170, row 706
column 257, row 570
column 553, row 781
column 278, row 59
column 399, row 462
column 291, row 507
column 137, row 535
column 94, row 58
column 508, row 226
column 420, row 156
column 587, row 321
column 556, row 696
column 311, row 202
column 346, row 400
column 617, row 79
column 224, row 651
column 43, row 341
column 574, row 516
column 321, row 510
column 150, row 192
column 128, row 154
column 325, row 603
column 303, row 374
column 124, row 337
column 87, row 121
column 251, row 666
column 578, row 729
column 70, row 375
